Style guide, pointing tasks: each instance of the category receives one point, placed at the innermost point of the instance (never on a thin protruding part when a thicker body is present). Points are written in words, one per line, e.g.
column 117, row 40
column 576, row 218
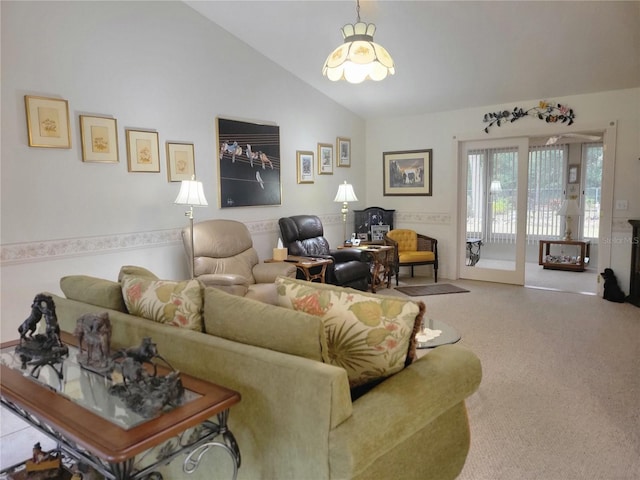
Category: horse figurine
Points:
column 94, row 330
column 30, row 325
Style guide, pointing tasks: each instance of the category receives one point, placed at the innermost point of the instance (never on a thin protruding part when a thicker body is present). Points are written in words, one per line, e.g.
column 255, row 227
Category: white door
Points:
column 493, row 200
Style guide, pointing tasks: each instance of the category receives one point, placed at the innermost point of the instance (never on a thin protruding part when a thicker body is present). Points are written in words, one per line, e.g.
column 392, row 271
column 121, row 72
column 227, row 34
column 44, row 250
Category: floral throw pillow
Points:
column 173, row 303
column 370, row 336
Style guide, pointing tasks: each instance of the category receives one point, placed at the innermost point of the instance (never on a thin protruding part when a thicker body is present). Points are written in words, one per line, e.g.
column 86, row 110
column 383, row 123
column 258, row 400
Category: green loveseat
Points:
column 296, row 419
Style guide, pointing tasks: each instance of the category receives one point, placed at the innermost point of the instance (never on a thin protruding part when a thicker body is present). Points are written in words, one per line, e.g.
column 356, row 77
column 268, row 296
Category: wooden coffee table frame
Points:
column 113, row 451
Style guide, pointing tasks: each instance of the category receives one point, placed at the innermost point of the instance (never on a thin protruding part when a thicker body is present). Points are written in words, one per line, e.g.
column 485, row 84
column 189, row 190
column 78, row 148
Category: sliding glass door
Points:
column 494, row 212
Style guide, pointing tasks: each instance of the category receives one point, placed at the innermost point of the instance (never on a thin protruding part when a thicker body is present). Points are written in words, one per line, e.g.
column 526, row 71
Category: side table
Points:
column 381, row 259
column 574, row 263
column 306, row 264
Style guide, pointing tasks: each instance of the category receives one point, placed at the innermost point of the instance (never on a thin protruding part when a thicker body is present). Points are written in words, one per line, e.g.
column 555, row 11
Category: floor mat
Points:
column 435, row 289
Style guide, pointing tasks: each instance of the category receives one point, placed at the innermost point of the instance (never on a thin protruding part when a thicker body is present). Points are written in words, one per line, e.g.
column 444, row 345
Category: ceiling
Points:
column 448, row 54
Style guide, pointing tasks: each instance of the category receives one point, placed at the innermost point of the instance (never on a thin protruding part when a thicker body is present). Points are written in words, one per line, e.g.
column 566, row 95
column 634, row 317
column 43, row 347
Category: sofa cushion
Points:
column 136, row 271
column 252, row 322
column 163, row 301
column 94, row 291
column 370, row 336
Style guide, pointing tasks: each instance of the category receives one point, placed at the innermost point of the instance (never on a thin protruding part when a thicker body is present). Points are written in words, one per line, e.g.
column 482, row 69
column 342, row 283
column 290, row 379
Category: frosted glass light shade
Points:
column 345, row 193
column 191, row 193
column 359, row 58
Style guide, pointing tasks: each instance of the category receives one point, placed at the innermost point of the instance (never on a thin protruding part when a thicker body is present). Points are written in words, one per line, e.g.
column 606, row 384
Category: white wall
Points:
column 150, row 65
column 437, row 215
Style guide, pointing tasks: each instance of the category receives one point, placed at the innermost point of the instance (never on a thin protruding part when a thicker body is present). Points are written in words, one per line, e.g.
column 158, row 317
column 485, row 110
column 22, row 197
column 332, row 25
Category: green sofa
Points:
column 296, row 419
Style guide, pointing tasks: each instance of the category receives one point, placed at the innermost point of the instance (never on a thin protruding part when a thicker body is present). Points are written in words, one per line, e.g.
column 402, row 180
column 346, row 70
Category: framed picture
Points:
column 180, row 161
column 143, row 151
column 363, row 236
column 343, row 148
column 573, row 174
column 99, row 137
column 48, row 122
column 407, row 172
column 325, row 159
column 304, row 162
column 378, row 231
column 248, row 163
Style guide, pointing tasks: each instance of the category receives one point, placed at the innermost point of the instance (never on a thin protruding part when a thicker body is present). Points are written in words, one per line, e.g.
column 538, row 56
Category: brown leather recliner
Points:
column 303, row 235
column 226, row 259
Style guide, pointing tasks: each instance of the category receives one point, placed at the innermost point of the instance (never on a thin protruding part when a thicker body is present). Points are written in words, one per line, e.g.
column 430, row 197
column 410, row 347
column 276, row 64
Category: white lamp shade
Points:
column 191, row 193
column 495, row 187
column 359, row 57
column 569, row 208
column 345, row 193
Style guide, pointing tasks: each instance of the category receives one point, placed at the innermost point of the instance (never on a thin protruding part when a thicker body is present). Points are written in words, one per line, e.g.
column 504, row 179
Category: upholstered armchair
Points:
column 303, row 235
column 412, row 249
column 224, row 258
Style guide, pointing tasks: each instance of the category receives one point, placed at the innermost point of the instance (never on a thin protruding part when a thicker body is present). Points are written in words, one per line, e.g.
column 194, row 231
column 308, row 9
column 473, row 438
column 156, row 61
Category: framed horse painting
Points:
column 248, row 163
column 407, row 173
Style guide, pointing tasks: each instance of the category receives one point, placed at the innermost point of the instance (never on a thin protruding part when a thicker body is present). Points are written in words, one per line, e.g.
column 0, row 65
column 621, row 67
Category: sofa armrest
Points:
column 343, row 255
column 406, row 403
column 268, row 272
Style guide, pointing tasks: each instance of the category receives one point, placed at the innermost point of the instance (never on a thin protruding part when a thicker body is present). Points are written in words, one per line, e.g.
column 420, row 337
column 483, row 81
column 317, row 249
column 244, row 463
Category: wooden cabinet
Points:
column 572, row 255
column 372, row 216
column 634, row 282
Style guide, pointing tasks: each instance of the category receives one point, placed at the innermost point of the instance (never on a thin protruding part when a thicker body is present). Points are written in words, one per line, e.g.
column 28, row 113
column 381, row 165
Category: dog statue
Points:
column 612, row 291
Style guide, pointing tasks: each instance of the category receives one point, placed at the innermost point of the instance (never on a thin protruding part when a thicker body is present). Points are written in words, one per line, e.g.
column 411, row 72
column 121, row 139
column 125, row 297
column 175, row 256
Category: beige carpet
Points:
column 560, row 396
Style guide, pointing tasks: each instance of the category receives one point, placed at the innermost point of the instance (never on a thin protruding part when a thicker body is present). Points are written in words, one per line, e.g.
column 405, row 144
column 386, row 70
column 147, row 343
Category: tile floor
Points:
column 17, row 439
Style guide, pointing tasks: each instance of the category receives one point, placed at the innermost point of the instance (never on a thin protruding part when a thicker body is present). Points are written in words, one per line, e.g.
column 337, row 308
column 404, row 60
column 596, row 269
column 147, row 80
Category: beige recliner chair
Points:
column 225, row 259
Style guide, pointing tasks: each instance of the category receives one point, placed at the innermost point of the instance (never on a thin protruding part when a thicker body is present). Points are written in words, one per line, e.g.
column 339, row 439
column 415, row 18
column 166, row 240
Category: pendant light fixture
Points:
column 359, row 58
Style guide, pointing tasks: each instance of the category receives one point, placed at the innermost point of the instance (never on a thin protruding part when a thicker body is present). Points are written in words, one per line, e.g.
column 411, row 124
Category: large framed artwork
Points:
column 48, row 122
column 248, row 163
column 407, row 172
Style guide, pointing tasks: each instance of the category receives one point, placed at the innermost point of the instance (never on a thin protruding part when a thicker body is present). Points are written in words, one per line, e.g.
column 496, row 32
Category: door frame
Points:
column 609, row 138
column 515, row 276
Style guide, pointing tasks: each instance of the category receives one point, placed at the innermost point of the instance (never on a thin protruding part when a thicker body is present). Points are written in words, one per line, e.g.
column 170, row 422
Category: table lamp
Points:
column 345, row 195
column 568, row 209
column 191, row 194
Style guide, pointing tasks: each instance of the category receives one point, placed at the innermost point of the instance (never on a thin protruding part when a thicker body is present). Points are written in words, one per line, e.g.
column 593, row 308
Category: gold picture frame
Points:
column 325, row 159
column 48, row 122
column 304, row 164
column 343, row 152
column 180, row 161
column 143, row 151
column 99, row 138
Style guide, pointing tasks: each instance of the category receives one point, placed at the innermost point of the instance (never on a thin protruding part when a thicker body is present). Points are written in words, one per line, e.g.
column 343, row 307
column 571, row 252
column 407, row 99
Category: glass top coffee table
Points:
column 70, row 404
column 444, row 334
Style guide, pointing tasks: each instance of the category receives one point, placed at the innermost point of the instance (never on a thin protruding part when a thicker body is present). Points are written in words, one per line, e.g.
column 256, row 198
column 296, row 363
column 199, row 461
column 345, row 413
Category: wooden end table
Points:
column 381, row 259
column 77, row 412
column 574, row 263
column 306, row 264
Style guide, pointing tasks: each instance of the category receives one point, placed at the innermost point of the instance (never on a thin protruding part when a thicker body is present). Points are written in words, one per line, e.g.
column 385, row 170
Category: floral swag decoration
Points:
column 544, row 111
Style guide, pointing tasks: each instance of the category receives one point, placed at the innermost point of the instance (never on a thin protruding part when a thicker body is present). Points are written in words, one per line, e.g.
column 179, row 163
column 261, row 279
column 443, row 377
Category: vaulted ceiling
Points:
column 449, row 54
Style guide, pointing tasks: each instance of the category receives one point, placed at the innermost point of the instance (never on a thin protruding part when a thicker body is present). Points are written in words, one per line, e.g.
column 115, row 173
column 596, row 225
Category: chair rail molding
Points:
column 422, row 218
column 71, row 247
